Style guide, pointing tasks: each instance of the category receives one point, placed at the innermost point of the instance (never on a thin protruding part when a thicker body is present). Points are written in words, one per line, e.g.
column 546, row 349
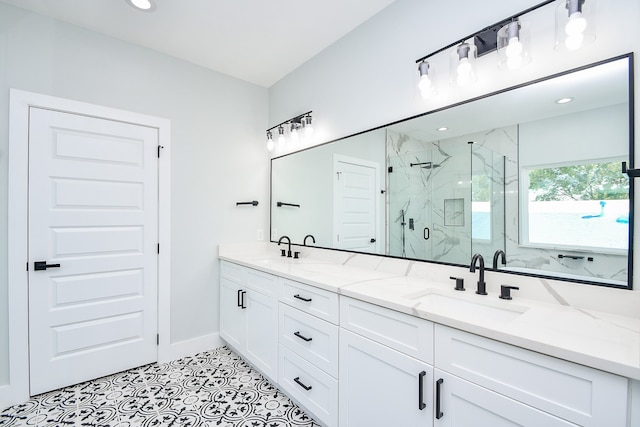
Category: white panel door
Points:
column 355, row 204
column 93, row 210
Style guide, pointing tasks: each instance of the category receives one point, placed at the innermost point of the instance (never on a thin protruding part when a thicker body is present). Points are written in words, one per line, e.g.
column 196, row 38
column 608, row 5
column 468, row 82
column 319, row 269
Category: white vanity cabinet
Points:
column 249, row 315
column 380, row 385
column 508, row 385
column 309, row 348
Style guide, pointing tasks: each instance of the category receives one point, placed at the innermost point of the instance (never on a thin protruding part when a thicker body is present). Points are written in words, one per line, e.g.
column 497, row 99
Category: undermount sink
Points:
column 500, row 311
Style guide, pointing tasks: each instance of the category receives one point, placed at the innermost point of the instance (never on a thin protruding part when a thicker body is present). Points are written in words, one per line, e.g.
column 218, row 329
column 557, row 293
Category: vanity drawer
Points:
column 581, row 395
column 312, row 300
column 233, row 272
column 311, row 338
column 402, row 332
column 262, row 282
column 312, row 388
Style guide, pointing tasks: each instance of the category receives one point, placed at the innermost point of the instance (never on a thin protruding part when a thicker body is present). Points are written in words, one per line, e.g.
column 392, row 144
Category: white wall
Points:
column 218, row 155
column 369, row 77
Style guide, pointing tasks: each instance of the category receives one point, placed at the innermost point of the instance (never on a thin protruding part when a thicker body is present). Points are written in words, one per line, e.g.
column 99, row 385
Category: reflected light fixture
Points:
column 269, row 141
column 513, row 46
column 144, row 5
column 293, row 126
column 442, row 129
column 575, row 24
column 463, row 59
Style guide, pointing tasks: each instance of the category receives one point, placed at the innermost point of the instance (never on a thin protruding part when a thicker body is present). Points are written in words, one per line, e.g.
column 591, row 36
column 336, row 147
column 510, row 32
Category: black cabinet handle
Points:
column 439, row 413
column 301, row 384
column 302, row 298
column 242, row 300
column 239, row 297
column 42, row 265
column 421, row 404
column 302, row 337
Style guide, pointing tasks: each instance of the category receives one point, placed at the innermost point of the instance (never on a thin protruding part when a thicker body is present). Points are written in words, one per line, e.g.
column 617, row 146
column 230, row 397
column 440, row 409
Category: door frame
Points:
column 17, row 391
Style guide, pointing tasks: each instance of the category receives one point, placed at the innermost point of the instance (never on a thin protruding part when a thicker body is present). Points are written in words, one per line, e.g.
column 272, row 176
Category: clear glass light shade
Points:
column 281, row 138
column 513, row 45
column 294, row 134
column 575, row 24
column 425, row 84
column 308, row 128
column 463, row 64
column 270, row 144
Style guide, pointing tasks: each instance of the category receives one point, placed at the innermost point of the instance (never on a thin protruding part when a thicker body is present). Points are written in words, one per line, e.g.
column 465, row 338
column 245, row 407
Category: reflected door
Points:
column 355, row 200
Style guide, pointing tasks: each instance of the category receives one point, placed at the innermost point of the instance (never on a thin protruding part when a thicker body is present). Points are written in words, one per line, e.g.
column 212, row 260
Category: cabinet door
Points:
column 232, row 315
column 382, row 387
column 262, row 333
column 464, row 404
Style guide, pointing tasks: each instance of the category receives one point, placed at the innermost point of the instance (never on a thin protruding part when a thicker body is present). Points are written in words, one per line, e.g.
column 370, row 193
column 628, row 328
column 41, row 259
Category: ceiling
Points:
column 258, row 41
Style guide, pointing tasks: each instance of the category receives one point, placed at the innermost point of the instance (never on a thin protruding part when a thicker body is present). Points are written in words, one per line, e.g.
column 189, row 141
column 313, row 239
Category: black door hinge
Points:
column 160, row 147
column 390, row 169
column 158, row 339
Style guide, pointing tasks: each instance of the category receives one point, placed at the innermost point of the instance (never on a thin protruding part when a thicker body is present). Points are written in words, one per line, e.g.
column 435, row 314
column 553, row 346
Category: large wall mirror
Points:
column 533, row 171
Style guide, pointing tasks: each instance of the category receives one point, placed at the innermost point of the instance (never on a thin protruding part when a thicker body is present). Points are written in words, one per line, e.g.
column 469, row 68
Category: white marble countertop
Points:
column 590, row 325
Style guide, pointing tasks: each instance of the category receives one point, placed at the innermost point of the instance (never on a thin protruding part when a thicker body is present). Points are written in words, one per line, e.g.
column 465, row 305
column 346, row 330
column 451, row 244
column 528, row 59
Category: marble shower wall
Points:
column 421, row 194
column 435, row 197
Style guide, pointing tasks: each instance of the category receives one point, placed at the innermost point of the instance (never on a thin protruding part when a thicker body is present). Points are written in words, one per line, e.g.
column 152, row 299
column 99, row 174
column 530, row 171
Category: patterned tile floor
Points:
column 215, row 388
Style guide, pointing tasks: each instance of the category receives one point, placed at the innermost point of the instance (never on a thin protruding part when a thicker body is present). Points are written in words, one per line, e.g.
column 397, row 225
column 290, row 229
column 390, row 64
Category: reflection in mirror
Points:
column 515, row 171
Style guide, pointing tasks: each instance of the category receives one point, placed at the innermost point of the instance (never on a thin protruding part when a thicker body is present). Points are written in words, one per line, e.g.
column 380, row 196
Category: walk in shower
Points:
column 445, row 199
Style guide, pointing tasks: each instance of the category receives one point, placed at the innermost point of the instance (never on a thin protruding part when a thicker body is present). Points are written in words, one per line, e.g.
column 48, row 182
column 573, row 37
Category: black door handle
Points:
column 425, row 233
column 372, row 241
column 42, row 265
column 439, row 413
column 421, row 404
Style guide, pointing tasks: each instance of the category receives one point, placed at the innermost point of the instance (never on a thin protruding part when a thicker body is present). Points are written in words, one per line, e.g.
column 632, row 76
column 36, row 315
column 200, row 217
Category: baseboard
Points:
column 10, row 396
column 190, row 347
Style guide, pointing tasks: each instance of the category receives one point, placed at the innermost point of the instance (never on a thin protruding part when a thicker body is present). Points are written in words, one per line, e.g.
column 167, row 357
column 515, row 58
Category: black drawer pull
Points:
column 439, row 413
column 239, row 297
column 421, row 404
column 242, row 300
column 302, row 337
column 306, row 387
column 302, row 298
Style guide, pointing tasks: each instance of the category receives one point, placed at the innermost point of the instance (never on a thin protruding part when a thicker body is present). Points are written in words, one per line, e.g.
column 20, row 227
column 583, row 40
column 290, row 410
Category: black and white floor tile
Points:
column 215, row 388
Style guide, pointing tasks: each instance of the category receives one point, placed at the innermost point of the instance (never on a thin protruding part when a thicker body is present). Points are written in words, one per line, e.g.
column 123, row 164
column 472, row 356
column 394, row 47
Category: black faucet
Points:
column 289, row 241
column 304, row 242
column 482, row 286
column 499, row 253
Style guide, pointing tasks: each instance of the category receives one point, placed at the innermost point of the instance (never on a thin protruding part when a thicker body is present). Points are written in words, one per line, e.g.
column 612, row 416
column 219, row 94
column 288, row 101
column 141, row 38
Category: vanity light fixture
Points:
column 463, row 62
column 575, row 24
column 308, row 127
column 427, row 89
column 281, row 137
column 293, row 125
column 143, row 5
column 513, row 45
column 270, row 144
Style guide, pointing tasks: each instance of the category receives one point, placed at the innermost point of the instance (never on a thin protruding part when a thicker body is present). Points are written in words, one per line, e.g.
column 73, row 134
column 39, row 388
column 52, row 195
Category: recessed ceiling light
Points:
column 564, row 100
column 145, row 5
column 442, row 129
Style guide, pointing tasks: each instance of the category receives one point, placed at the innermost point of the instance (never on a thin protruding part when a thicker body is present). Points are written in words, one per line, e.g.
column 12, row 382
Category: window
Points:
column 576, row 206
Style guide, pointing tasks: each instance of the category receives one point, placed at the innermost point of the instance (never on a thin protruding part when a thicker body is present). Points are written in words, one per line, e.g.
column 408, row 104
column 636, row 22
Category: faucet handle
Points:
column 296, row 255
column 283, row 252
column 459, row 283
column 505, row 291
